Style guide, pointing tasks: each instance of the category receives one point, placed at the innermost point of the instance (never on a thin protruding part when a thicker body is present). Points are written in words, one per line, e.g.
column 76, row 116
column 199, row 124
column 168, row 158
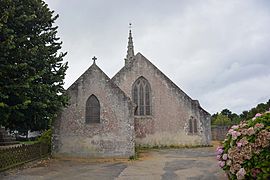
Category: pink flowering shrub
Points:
column 245, row 153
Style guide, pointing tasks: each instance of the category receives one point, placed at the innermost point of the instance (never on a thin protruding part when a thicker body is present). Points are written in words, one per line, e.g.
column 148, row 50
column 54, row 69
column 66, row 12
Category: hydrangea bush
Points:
column 245, row 153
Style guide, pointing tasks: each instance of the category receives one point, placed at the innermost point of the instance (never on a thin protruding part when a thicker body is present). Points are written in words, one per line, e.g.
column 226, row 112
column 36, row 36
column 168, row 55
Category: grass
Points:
column 141, row 149
column 136, row 155
column 28, row 142
column 173, row 146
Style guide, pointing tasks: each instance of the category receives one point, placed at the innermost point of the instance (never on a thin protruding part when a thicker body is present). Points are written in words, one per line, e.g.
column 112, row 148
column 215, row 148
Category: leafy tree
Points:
column 235, row 119
column 31, row 68
column 268, row 103
column 262, row 107
column 226, row 112
column 213, row 117
column 221, row 120
column 244, row 115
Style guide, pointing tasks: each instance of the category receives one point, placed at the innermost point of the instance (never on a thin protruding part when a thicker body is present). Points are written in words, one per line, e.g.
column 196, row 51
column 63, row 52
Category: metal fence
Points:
column 17, row 155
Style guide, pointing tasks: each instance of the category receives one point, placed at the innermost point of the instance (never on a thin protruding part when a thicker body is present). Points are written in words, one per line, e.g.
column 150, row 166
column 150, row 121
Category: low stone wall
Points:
column 219, row 132
column 5, row 138
column 19, row 154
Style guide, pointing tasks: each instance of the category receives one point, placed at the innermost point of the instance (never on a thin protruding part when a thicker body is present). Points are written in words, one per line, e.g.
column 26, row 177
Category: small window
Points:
column 141, row 96
column 195, row 130
column 192, row 126
column 92, row 114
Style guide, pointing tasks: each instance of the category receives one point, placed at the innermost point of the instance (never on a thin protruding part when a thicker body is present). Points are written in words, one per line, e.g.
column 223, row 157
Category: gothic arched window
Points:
column 141, row 96
column 92, row 112
column 192, row 126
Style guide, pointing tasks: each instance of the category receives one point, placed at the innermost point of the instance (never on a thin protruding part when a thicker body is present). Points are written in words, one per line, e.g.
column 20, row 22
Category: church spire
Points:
column 130, row 51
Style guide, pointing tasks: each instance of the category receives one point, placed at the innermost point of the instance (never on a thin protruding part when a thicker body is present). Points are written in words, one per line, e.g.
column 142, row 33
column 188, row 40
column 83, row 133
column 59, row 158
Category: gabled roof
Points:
column 169, row 82
column 95, row 67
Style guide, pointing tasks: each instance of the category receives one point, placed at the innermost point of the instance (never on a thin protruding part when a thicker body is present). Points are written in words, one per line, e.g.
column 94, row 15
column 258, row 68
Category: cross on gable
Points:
column 94, row 59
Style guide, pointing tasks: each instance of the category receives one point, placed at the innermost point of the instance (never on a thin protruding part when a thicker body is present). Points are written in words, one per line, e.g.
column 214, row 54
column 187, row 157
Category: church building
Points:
column 138, row 106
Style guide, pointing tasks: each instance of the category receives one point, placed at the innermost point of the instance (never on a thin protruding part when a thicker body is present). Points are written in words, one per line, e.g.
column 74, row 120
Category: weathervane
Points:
column 94, row 59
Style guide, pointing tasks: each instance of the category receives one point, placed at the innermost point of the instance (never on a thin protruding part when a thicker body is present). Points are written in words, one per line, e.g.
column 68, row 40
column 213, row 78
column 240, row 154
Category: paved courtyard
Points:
column 165, row 164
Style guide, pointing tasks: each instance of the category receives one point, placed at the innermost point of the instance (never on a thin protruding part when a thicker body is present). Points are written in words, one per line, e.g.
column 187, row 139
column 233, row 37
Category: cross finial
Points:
column 130, row 26
column 94, row 59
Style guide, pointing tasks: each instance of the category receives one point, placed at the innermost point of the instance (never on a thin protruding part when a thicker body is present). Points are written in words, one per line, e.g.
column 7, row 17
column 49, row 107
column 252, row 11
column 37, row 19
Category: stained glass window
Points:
column 92, row 114
column 142, row 97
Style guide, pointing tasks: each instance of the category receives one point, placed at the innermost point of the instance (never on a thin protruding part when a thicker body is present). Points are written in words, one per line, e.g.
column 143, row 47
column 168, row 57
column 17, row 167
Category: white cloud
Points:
column 214, row 50
column 238, row 96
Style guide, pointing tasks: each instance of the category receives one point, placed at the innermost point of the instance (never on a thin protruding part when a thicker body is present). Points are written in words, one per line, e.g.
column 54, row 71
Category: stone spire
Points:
column 130, row 51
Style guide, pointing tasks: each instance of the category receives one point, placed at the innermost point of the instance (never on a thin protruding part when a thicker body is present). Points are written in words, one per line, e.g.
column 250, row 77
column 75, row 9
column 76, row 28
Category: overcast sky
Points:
column 217, row 51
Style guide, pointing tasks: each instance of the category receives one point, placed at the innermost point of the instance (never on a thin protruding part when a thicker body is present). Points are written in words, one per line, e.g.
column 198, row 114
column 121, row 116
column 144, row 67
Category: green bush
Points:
column 245, row 153
column 46, row 137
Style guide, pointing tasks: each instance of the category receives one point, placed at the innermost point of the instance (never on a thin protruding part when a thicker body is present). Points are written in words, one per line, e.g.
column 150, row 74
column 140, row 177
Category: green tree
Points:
column 213, row 118
column 221, row 120
column 260, row 108
column 31, row 68
column 268, row 104
column 244, row 115
column 235, row 119
column 226, row 112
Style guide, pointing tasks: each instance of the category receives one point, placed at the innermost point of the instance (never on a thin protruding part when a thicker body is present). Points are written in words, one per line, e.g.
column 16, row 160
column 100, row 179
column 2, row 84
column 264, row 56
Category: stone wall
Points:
column 112, row 137
column 171, row 108
column 219, row 132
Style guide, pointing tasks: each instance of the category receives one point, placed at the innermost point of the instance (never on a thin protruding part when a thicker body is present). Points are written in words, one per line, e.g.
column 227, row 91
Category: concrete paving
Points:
column 165, row 164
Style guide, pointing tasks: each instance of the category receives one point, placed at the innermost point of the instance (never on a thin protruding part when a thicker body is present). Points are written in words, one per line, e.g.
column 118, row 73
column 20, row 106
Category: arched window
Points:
column 192, row 126
column 195, row 129
column 141, row 96
column 92, row 113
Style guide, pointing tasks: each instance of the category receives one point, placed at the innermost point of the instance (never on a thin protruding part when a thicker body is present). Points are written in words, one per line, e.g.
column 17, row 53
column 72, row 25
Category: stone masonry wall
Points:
column 112, row 137
column 219, row 132
column 171, row 108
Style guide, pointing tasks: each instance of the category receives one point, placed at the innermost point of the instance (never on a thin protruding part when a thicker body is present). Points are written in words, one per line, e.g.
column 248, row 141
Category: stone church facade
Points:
column 138, row 106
